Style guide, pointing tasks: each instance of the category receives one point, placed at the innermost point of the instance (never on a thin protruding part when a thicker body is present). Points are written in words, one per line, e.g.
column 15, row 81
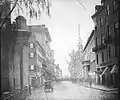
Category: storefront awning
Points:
column 106, row 70
column 115, row 69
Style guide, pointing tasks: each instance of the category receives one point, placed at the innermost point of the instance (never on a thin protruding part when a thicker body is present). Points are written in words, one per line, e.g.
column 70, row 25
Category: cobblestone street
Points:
column 69, row 91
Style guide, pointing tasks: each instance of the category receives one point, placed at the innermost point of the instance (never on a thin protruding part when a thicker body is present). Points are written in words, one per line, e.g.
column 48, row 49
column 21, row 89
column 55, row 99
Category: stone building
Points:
column 25, row 56
column 13, row 73
column 106, row 42
column 6, row 40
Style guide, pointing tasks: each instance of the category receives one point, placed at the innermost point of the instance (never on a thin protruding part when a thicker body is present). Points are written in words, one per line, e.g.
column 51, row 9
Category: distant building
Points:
column 58, row 71
column 106, row 42
column 75, row 65
column 89, row 64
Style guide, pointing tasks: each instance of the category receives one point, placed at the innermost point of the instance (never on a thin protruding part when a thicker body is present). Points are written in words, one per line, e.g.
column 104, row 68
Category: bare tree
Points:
column 35, row 7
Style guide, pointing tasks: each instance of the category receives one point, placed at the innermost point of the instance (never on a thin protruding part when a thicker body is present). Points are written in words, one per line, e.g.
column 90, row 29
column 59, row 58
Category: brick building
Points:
column 44, row 39
column 89, row 64
column 106, row 42
column 36, row 61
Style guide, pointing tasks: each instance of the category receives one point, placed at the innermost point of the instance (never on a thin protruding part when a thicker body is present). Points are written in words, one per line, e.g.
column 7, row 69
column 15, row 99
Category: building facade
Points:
column 36, row 55
column 44, row 39
column 89, row 64
column 106, row 42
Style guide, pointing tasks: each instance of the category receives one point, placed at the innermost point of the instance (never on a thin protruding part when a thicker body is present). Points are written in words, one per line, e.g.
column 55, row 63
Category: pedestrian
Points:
column 90, row 83
column 30, row 89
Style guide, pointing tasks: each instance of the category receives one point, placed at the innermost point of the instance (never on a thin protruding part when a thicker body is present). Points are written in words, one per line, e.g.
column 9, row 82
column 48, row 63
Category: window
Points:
column 116, row 29
column 31, row 45
column 102, row 57
column 96, row 41
column 97, row 58
column 108, row 30
column 32, row 55
column 101, row 22
column 114, row 5
column 13, row 68
column 109, row 51
column 108, row 9
column 116, row 51
column 14, row 82
column 101, row 38
column 95, row 28
column 32, row 67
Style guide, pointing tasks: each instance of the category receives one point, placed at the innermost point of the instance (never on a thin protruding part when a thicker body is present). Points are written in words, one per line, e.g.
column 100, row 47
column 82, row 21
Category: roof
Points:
column 98, row 11
column 40, row 29
column 91, row 35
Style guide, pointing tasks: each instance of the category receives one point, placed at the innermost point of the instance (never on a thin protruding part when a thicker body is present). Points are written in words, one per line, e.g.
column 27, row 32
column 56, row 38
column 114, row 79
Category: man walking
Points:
column 90, row 82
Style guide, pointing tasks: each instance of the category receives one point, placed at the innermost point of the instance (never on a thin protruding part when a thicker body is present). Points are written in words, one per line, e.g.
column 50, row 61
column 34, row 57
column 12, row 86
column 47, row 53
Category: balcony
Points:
column 99, row 47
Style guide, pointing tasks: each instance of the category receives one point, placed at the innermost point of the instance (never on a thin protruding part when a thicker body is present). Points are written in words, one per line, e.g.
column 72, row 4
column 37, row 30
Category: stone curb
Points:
column 102, row 89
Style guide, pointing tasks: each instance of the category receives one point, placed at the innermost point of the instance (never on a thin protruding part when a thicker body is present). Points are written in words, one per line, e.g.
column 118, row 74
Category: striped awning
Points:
column 115, row 69
column 105, row 71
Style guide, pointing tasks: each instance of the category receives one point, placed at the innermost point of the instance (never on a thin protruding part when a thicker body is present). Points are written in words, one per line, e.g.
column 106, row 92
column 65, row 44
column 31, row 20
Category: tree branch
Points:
column 6, row 18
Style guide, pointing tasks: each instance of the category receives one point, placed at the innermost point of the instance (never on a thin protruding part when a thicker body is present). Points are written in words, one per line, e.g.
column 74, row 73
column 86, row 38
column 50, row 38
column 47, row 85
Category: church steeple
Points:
column 80, row 46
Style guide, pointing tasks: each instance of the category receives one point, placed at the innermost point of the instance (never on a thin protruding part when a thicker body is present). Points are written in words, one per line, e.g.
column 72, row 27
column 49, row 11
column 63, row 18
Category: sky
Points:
column 63, row 27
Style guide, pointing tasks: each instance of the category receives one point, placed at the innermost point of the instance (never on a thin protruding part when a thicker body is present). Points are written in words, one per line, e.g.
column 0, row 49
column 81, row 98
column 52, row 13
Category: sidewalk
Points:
column 37, row 94
column 100, row 87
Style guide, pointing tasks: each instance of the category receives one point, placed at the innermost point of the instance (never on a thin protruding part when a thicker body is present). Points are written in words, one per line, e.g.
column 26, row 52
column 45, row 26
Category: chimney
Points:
column 98, row 8
column 20, row 22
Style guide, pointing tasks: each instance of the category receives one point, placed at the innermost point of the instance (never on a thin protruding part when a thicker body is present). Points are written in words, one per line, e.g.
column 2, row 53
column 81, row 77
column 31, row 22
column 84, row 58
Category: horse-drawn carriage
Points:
column 48, row 86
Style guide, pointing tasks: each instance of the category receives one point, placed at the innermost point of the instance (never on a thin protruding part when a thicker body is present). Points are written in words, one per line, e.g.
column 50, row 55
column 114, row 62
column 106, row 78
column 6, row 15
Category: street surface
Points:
column 68, row 91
